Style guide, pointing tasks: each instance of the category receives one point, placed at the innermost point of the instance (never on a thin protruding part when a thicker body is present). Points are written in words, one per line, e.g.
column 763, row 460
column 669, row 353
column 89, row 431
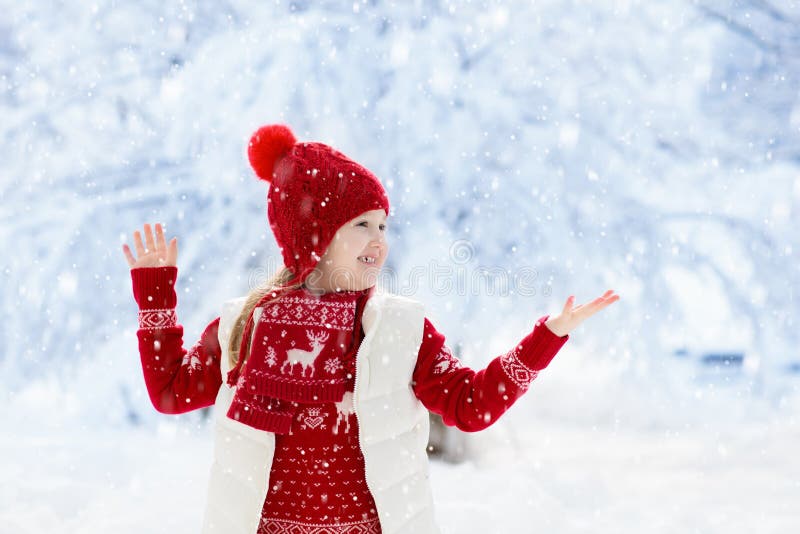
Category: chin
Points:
column 366, row 281
column 365, row 284
column 355, row 285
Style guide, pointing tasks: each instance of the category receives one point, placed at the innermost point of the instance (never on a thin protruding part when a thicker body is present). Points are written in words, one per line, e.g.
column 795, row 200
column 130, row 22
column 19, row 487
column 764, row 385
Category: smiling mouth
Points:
column 367, row 259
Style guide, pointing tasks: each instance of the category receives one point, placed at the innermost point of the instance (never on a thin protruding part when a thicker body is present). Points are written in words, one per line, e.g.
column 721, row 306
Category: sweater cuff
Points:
column 539, row 347
column 154, row 287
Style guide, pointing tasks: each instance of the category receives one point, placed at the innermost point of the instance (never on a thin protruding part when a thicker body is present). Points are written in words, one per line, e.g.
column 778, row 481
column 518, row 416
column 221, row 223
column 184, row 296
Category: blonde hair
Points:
column 279, row 279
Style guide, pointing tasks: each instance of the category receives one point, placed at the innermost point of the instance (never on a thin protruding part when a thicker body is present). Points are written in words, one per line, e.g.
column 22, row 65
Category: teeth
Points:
column 366, row 259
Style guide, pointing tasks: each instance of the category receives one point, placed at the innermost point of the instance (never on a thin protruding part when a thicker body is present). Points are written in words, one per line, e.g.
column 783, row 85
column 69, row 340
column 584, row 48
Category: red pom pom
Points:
column 267, row 146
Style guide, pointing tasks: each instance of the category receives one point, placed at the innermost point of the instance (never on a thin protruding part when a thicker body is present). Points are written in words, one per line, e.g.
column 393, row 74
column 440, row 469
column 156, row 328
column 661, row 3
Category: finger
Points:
column 137, row 242
column 568, row 304
column 599, row 304
column 587, row 309
column 595, row 304
column 128, row 256
column 610, row 300
column 608, row 297
column 148, row 236
column 161, row 243
column 172, row 252
column 605, row 296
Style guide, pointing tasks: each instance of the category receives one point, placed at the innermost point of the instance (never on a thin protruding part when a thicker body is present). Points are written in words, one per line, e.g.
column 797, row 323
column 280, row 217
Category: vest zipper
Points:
column 355, row 402
column 358, row 422
column 355, row 381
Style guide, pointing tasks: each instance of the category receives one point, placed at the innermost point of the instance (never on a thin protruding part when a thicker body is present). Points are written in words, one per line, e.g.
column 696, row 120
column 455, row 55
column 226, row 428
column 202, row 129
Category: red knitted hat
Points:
column 314, row 190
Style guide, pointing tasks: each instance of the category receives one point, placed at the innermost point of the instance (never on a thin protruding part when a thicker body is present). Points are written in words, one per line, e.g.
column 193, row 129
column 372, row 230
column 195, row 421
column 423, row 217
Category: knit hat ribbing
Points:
column 314, row 190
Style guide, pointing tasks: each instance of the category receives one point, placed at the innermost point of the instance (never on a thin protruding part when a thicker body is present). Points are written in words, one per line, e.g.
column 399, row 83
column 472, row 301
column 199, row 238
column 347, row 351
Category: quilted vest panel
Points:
column 393, row 429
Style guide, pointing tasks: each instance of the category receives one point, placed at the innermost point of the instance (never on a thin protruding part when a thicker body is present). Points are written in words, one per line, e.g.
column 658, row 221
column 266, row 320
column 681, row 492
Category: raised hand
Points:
column 156, row 254
column 570, row 317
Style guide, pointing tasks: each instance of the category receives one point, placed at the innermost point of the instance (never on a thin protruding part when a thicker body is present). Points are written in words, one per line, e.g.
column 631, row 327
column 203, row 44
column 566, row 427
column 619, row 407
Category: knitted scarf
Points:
column 303, row 351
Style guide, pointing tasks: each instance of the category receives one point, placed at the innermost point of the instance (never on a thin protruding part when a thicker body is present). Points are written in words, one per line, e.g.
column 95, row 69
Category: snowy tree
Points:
column 617, row 144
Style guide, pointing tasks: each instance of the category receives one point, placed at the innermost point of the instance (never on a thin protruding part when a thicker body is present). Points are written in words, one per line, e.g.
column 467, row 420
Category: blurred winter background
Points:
column 532, row 150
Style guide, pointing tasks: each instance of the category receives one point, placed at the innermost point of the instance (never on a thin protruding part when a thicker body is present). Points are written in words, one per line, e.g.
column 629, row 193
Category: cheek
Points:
column 342, row 256
column 357, row 244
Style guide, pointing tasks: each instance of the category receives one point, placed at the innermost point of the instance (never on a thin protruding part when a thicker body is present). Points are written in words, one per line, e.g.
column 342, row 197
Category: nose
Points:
column 378, row 240
column 378, row 236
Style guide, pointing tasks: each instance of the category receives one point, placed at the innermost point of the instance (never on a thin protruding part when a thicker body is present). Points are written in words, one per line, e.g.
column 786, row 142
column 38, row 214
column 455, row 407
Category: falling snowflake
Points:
column 333, row 365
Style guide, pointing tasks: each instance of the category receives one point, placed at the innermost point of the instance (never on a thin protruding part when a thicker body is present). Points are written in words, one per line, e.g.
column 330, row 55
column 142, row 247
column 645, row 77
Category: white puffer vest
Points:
column 393, row 429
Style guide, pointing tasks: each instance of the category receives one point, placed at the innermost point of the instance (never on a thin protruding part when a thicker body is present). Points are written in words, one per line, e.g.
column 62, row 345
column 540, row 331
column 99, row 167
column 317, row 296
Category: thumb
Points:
column 172, row 251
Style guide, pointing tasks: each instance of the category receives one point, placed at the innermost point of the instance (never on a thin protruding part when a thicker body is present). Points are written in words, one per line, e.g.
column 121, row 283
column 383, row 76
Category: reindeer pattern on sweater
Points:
column 323, row 440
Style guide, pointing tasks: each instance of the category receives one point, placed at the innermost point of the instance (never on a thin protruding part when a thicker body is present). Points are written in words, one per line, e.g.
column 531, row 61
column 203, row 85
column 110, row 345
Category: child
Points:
column 321, row 384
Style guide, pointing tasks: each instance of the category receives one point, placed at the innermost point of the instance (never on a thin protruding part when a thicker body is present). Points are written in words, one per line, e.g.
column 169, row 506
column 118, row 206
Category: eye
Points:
column 365, row 224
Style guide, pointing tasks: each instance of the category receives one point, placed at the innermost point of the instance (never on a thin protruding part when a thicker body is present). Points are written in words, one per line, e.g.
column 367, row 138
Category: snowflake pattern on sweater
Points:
column 180, row 380
column 473, row 400
column 177, row 380
column 445, row 361
column 317, row 483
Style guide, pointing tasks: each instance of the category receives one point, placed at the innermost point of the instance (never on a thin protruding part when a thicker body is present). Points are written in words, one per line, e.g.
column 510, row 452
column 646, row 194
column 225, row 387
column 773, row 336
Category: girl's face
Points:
column 355, row 255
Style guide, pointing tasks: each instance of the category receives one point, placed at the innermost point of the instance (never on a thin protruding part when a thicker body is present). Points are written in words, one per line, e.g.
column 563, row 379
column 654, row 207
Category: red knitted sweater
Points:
column 317, row 476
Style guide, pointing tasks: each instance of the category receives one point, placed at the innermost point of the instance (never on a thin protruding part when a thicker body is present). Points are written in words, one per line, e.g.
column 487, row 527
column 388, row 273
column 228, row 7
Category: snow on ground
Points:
column 574, row 479
column 535, row 473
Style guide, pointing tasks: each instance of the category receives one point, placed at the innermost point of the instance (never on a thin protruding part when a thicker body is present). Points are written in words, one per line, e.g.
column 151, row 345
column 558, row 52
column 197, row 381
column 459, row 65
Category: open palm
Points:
column 155, row 252
column 570, row 317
